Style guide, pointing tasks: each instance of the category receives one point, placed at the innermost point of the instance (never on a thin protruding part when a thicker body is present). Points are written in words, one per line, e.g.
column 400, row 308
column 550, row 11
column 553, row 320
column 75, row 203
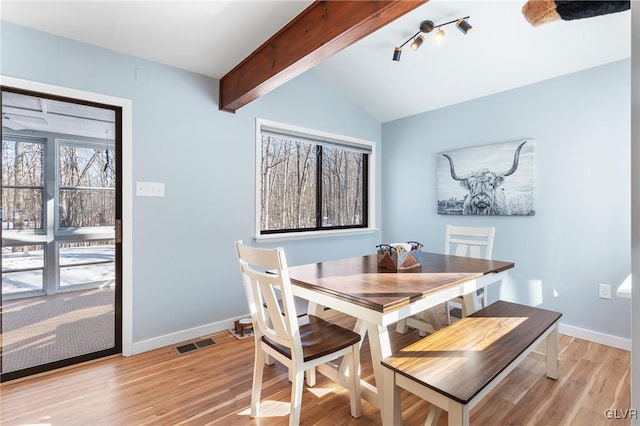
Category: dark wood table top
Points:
column 460, row 360
column 359, row 280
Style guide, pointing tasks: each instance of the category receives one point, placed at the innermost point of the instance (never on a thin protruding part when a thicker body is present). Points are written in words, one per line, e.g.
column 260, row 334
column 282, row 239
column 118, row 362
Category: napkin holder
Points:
column 397, row 259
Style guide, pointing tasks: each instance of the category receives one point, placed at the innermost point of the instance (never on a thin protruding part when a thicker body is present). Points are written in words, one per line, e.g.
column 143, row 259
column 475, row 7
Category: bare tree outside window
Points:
column 342, row 183
column 308, row 185
column 87, row 186
column 288, row 183
column 23, row 184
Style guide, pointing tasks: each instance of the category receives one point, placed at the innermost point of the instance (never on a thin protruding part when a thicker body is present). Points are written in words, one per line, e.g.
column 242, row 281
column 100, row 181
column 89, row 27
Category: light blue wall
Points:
column 580, row 234
column 184, row 270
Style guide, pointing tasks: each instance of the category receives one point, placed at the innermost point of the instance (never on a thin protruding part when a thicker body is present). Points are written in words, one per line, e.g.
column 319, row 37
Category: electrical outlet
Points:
column 605, row 291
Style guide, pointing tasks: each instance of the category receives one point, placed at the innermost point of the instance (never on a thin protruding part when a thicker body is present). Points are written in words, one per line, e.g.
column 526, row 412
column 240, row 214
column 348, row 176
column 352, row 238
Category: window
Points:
column 310, row 182
column 58, row 195
column 22, row 183
column 86, row 175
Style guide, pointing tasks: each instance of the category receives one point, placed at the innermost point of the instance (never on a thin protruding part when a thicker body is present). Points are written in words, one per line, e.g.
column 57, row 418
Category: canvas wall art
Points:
column 495, row 179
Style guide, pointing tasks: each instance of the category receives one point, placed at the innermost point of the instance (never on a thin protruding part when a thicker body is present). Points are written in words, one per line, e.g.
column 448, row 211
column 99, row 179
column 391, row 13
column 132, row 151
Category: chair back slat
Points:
column 470, row 241
column 266, row 280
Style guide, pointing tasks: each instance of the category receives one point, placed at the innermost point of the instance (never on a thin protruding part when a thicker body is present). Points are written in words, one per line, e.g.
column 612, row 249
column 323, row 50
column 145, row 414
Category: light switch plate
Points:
column 150, row 189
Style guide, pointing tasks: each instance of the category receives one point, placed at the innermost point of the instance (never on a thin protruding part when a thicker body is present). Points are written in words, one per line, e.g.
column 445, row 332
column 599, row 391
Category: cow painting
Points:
column 489, row 182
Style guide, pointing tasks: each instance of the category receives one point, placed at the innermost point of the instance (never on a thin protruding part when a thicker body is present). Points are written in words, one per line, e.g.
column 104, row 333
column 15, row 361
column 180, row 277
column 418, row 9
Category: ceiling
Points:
column 25, row 112
column 503, row 51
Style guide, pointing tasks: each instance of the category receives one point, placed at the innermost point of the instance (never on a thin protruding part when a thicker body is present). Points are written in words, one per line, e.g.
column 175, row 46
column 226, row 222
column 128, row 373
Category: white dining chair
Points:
column 468, row 241
column 463, row 241
column 301, row 344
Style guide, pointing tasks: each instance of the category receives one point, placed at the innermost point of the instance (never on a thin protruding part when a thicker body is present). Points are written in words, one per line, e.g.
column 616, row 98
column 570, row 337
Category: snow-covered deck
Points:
column 23, row 271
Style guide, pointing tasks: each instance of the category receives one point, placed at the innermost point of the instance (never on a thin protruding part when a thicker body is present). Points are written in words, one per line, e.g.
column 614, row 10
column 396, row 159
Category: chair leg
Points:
column 423, row 317
column 296, row 397
column 258, row 369
column 355, row 393
column 401, row 326
column 268, row 360
column 311, row 377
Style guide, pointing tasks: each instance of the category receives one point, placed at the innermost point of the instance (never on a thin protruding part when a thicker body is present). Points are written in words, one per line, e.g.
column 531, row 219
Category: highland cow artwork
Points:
column 493, row 180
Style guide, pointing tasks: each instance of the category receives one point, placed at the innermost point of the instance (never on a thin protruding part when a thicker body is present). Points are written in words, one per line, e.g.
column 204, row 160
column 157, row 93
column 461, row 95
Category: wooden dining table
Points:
column 379, row 297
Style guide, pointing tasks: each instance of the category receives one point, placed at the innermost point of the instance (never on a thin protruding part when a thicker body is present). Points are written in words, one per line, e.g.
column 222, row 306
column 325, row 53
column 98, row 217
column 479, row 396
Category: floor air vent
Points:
column 194, row 346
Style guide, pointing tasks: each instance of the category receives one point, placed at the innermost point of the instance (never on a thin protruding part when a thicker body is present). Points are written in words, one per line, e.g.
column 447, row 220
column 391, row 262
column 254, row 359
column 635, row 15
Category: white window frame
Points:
column 89, row 232
column 319, row 136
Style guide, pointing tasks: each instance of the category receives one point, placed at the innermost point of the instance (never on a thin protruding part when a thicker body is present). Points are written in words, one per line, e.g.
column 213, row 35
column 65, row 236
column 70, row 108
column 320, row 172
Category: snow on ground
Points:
column 72, row 271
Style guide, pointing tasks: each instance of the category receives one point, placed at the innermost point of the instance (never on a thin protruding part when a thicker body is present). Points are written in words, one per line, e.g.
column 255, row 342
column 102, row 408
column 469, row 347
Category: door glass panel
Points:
column 60, row 290
column 22, row 270
column 87, row 263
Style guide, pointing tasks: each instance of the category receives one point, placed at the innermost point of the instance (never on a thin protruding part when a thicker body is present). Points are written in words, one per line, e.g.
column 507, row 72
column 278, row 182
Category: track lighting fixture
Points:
column 417, row 42
column 463, row 25
column 396, row 54
column 426, row 27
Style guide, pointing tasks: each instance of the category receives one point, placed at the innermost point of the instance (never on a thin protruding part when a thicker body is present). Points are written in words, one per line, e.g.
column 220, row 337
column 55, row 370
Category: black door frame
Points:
column 118, row 144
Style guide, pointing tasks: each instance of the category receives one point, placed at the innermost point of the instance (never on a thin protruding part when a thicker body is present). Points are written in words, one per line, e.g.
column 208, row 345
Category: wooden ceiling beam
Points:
column 321, row 30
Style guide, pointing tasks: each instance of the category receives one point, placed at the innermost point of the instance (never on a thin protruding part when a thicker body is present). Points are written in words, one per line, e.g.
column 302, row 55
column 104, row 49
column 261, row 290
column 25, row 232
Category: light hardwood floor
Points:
column 213, row 385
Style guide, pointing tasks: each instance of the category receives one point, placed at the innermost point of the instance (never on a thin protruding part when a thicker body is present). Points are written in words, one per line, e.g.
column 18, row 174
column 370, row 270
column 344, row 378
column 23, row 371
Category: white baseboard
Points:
column 182, row 336
column 193, row 333
column 595, row 337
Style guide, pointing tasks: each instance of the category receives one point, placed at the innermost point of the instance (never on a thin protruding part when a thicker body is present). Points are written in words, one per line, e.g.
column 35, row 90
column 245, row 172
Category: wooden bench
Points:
column 457, row 366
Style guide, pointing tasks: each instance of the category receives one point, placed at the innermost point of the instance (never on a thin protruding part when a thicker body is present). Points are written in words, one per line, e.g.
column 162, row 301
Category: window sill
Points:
column 312, row 234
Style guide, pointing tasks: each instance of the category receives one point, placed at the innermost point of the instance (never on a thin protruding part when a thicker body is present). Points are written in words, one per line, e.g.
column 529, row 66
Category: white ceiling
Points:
column 210, row 37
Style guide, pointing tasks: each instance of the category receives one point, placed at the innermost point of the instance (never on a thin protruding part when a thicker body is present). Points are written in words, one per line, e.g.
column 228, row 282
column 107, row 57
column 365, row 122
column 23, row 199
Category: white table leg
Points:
column 552, row 353
column 361, row 329
column 433, row 416
column 401, row 326
column 380, row 347
column 470, row 304
column 315, row 309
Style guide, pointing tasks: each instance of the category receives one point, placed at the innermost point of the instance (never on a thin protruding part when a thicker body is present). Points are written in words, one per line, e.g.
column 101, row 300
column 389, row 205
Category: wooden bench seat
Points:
column 455, row 367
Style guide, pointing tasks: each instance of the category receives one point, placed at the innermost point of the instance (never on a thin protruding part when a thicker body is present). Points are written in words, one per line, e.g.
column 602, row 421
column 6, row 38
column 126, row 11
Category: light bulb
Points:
column 438, row 36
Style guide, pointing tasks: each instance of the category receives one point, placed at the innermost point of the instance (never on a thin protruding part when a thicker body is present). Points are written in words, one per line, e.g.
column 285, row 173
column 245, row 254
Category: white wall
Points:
column 580, row 234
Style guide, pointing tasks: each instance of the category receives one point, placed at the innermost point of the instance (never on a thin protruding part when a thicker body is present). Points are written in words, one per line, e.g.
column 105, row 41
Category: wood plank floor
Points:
column 212, row 386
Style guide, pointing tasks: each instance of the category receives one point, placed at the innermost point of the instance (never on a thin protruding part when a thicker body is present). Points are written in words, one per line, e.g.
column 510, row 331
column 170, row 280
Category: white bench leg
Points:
column 458, row 414
column 391, row 413
column 552, row 353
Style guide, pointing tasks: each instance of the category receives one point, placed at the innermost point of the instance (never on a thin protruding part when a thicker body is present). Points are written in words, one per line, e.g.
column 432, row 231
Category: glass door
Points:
column 60, row 208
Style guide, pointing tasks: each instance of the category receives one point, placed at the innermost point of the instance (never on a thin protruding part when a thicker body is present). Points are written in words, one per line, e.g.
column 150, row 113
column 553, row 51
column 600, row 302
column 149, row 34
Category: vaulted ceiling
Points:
column 211, row 37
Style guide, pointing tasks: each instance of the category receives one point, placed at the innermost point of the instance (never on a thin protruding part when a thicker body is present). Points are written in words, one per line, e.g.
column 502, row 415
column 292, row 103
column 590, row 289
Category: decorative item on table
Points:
column 400, row 256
